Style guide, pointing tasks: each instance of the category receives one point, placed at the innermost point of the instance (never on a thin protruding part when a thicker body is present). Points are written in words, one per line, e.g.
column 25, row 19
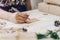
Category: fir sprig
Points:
column 52, row 34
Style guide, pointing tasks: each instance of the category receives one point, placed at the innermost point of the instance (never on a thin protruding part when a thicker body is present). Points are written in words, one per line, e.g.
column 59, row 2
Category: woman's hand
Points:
column 21, row 18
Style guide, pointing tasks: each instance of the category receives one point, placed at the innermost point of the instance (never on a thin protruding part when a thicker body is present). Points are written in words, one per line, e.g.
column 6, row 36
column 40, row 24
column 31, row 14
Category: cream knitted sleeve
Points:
column 7, row 15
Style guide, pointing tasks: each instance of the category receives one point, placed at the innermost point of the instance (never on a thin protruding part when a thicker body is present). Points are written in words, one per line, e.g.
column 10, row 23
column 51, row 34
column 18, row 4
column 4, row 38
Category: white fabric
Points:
column 46, row 22
column 53, row 1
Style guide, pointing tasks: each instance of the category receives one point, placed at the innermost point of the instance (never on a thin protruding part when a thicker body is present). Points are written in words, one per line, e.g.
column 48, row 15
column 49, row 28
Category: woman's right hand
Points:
column 21, row 18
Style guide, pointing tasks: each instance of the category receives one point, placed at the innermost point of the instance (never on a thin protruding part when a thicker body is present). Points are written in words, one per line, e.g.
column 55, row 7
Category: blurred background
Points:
column 19, row 5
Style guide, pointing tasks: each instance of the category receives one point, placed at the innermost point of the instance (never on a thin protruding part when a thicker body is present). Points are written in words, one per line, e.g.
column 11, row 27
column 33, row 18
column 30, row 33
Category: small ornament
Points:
column 25, row 30
column 57, row 23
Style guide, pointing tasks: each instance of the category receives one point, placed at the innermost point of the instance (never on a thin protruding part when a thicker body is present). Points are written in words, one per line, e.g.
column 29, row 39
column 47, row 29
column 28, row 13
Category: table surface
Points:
column 45, row 21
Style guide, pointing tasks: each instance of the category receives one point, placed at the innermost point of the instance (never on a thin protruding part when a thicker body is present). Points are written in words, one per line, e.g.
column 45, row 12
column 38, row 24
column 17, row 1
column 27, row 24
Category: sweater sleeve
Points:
column 7, row 15
column 4, row 14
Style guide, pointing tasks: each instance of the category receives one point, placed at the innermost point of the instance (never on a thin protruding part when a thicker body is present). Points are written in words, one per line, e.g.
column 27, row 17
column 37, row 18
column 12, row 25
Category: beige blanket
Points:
column 53, row 9
column 53, row 1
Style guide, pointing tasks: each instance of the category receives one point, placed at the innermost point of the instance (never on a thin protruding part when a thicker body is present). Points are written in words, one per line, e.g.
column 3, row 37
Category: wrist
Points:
column 12, row 17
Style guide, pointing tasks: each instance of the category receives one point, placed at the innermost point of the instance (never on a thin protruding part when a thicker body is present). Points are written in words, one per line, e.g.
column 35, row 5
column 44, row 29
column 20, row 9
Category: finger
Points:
column 20, row 21
column 23, row 15
column 20, row 18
